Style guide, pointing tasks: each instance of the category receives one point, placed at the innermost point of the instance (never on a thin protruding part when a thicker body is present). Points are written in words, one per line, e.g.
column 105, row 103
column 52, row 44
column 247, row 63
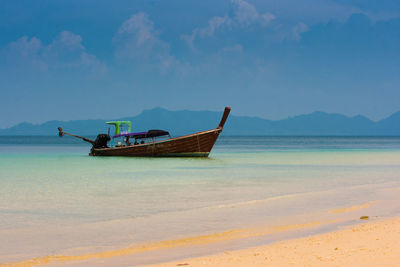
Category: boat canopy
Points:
column 142, row 135
column 118, row 125
column 152, row 134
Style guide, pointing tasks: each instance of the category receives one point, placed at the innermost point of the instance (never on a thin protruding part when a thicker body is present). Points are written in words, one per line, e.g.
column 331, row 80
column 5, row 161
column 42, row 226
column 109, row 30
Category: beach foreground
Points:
column 367, row 244
column 63, row 208
column 373, row 243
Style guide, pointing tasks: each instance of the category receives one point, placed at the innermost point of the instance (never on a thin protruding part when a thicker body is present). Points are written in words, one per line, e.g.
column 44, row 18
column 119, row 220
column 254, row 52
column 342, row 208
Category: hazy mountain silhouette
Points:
column 184, row 122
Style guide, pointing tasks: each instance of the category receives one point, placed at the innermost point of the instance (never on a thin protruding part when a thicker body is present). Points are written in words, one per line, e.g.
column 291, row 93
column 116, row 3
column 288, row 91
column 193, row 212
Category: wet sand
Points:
column 368, row 241
column 368, row 244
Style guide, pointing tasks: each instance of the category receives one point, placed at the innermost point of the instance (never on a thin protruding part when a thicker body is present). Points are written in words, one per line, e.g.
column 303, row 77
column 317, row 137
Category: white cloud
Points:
column 67, row 40
column 138, row 40
column 25, row 52
column 136, row 37
column 65, row 51
column 242, row 14
column 266, row 18
column 92, row 62
column 214, row 24
column 297, row 30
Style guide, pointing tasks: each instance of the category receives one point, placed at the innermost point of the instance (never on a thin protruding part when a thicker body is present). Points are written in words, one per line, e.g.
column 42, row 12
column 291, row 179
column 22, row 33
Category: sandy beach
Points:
column 370, row 243
column 367, row 244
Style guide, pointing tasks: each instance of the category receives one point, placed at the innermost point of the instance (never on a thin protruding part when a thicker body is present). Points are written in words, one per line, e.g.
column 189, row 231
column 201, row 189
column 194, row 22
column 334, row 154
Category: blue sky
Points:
column 272, row 59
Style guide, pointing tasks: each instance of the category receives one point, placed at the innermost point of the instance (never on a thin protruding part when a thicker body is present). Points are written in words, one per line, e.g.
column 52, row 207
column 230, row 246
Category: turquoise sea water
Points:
column 55, row 198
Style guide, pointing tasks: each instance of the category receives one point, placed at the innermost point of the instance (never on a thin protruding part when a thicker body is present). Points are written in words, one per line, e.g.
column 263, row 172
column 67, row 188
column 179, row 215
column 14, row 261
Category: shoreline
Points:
column 221, row 248
column 371, row 243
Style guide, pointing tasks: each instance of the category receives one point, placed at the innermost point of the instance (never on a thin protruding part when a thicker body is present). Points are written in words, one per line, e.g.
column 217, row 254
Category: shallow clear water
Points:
column 51, row 187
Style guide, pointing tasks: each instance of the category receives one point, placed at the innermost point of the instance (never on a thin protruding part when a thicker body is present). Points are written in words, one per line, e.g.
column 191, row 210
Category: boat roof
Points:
column 141, row 135
column 117, row 125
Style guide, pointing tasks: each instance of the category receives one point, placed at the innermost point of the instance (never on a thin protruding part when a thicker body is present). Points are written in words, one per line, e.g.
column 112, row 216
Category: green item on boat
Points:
column 117, row 125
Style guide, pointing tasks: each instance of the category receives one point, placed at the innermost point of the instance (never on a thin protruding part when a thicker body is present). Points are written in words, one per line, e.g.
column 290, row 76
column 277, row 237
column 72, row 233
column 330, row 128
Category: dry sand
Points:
column 369, row 244
column 373, row 243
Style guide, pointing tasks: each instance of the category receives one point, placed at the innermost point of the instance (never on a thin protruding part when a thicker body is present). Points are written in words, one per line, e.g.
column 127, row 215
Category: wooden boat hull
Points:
column 193, row 145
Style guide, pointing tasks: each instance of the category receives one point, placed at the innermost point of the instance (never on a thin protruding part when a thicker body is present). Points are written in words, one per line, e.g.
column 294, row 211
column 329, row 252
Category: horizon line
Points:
column 187, row 110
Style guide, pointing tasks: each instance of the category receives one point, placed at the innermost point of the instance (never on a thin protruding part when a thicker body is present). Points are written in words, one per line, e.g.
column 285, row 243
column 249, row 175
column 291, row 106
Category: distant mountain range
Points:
column 184, row 122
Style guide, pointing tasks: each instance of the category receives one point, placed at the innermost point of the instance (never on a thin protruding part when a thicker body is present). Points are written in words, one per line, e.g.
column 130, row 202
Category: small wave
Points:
column 255, row 201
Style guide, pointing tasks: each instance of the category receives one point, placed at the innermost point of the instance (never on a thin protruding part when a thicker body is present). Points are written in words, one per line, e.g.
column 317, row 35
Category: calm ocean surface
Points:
column 55, row 195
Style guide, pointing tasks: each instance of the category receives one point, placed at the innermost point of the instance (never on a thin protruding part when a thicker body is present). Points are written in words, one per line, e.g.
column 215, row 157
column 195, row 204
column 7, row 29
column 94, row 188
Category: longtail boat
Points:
column 148, row 144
